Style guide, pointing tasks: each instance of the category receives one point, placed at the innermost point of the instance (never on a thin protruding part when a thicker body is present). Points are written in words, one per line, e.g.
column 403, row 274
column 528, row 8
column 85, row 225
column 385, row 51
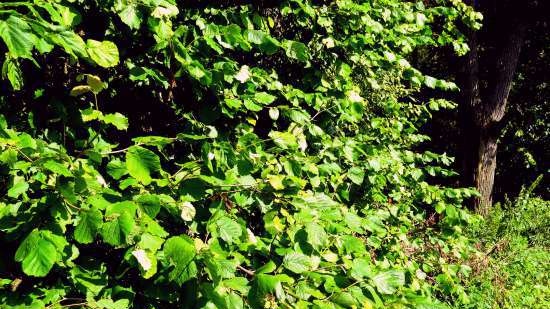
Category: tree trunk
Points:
column 482, row 110
column 485, row 172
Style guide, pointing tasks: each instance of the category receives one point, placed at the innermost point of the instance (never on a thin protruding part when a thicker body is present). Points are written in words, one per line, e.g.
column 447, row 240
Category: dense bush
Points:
column 164, row 155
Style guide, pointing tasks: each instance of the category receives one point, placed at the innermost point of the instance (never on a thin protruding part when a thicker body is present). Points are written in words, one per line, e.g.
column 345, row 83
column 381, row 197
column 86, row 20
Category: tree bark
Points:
column 482, row 110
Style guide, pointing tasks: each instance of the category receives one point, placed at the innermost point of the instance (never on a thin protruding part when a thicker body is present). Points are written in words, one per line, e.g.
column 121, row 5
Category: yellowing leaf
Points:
column 103, row 53
column 276, row 181
column 187, row 211
column 80, row 90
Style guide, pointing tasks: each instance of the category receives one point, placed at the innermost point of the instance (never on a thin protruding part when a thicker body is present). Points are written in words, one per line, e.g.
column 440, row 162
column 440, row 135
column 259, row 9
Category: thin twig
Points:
column 247, row 271
column 120, row 150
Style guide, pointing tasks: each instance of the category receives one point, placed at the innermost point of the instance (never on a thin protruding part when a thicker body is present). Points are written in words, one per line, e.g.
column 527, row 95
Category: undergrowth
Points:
column 513, row 270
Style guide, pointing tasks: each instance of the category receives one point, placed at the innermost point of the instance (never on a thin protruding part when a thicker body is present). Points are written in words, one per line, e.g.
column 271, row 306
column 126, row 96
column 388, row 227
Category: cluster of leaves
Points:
column 291, row 181
column 25, row 30
column 513, row 271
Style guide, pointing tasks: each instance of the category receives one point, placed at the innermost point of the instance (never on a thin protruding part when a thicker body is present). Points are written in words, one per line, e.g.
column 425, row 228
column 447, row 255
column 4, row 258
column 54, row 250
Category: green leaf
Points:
column 284, row 140
column 345, row 299
column 353, row 244
column 27, row 245
column 89, row 278
column 116, row 168
column 103, row 53
column 95, row 83
column 229, row 230
column 141, row 162
column 12, row 71
column 266, row 43
column 150, row 242
column 361, row 268
column 120, row 223
column 264, row 285
column 297, row 262
column 180, row 251
column 296, row 50
column 118, row 120
column 267, row 268
column 356, row 175
column 264, row 98
column 430, row 82
column 19, row 187
column 147, row 262
column 131, row 16
column 150, row 204
column 57, row 168
column 38, row 252
column 250, row 105
column 17, row 36
column 107, row 303
column 71, row 42
column 317, row 200
column 40, row 260
column 116, row 231
column 88, row 224
column 316, row 235
column 388, row 282
column 24, row 140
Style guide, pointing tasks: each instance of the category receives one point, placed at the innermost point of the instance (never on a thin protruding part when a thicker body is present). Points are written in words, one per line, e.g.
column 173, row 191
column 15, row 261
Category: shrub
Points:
column 225, row 156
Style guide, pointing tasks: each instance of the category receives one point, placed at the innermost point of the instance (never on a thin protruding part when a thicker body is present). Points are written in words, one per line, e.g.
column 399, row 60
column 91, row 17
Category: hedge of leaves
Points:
column 287, row 174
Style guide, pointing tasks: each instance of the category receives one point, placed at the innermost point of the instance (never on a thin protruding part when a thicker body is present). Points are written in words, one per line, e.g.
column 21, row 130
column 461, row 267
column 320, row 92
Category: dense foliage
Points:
column 157, row 154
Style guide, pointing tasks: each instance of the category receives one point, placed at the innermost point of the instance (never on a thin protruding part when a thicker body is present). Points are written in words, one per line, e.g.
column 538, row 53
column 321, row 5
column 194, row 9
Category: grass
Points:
column 512, row 270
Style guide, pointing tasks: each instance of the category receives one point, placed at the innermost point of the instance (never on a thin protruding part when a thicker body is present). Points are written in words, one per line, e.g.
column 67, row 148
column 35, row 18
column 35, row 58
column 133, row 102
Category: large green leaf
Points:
column 17, row 35
column 141, row 162
column 264, row 285
column 180, row 251
column 72, row 43
column 89, row 223
column 120, row 223
column 149, row 203
column 264, row 98
column 40, row 260
column 89, row 278
column 228, row 229
column 297, row 262
column 39, row 252
column 388, row 282
column 116, row 231
column 103, row 53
